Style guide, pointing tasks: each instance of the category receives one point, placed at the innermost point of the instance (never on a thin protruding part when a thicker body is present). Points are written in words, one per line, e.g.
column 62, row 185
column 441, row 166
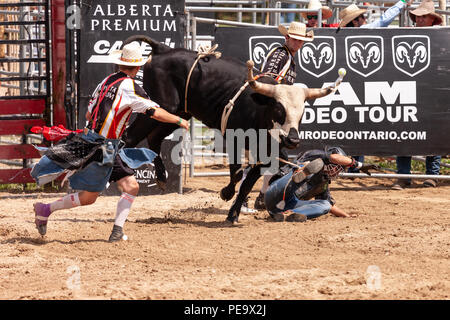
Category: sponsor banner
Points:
column 106, row 24
column 146, row 175
column 394, row 97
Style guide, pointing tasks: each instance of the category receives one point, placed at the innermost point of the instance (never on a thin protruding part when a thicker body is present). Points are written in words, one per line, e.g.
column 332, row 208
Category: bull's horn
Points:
column 262, row 88
column 313, row 93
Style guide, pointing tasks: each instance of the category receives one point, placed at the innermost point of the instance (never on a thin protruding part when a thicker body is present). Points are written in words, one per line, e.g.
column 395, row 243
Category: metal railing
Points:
column 25, row 63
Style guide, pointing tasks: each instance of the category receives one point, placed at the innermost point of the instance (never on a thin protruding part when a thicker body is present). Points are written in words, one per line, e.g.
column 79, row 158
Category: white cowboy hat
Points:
column 297, row 30
column 424, row 8
column 130, row 55
column 350, row 13
column 316, row 5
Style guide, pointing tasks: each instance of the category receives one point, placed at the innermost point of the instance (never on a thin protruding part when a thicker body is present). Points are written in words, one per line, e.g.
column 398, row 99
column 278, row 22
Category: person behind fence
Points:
column 423, row 16
column 95, row 156
column 288, row 17
column 280, row 64
column 312, row 16
column 290, row 191
column 352, row 16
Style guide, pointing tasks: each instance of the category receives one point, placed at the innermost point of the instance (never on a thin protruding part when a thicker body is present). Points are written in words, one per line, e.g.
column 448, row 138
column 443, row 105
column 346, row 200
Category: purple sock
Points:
column 42, row 209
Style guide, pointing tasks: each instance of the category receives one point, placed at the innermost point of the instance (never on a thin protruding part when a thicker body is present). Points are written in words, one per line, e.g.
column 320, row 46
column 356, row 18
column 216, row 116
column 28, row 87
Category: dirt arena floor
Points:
column 398, row 247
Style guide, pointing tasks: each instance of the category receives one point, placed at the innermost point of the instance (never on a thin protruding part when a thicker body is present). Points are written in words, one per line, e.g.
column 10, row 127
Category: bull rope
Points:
column 203, row 51
column 229, row 107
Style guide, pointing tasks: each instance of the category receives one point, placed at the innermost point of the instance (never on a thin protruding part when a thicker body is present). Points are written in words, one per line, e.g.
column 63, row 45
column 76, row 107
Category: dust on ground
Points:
column 398, row 247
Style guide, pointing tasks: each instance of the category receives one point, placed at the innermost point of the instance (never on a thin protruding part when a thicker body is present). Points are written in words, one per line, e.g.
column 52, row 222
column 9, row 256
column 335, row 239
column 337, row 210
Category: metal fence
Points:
column 24, row 83
column 270, row 12
column 24, row 63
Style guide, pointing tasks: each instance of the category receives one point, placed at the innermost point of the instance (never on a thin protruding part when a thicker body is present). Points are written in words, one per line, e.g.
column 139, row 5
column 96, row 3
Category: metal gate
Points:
column 25, row 87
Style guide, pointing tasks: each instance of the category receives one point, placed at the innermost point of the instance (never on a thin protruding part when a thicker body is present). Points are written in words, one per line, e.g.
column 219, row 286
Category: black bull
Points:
column 212, row 84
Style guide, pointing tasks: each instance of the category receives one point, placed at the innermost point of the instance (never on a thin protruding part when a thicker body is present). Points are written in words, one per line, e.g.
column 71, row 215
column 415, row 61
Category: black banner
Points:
column 394, row 97
column 106, row 24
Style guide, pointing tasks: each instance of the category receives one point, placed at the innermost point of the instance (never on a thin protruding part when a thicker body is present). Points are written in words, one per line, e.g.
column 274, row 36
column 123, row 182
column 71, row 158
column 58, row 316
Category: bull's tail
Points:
column 157, row 47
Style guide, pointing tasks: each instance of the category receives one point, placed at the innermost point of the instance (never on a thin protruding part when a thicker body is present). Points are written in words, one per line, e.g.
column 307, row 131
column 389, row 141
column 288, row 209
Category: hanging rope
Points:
column 203, row 51
column 229, row 107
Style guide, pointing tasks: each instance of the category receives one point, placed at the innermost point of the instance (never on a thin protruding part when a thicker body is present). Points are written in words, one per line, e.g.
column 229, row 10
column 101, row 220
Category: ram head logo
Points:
column 411, row 56
column 323, row 53
column 260, row 46
column 364, row 54
column 418, row 52
column 319, row 57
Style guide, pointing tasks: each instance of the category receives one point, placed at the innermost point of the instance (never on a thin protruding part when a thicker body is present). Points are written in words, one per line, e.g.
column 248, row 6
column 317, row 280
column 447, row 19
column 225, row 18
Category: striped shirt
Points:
column 280, row 62
column 121, row 96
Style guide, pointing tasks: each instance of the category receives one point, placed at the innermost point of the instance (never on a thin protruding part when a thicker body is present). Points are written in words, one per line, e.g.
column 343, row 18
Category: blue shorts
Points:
column 94, row 176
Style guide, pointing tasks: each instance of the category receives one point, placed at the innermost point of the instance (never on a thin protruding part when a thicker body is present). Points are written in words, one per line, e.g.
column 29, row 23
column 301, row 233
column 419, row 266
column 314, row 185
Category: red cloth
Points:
column 327, row 25
column 54, row 133
column 330, row 25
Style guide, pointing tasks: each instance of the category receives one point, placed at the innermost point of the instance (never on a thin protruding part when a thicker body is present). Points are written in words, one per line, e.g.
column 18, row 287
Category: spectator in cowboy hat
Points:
column 281, row 60
column 352, row 16
column 312, row 16
column 424, row 15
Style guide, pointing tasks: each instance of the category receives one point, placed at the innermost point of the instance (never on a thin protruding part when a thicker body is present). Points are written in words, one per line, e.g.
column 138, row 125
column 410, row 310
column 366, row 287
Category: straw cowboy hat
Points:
column 426, row 7
column 130, row 55
column 297, row 30
column 315, row 5
column 348, row 14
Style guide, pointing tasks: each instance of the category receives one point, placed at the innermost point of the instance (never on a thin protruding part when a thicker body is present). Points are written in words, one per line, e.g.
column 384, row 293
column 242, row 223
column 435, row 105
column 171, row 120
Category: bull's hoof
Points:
column 161, row 184
column 227, row 193
column 233, row 216
column 232, row 222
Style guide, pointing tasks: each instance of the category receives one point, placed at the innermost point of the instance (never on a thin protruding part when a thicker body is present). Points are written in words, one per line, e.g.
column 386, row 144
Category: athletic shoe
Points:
column 41, row 214
column 259, row 202
column 245, row 208
column 116, row 234
column 313, row 167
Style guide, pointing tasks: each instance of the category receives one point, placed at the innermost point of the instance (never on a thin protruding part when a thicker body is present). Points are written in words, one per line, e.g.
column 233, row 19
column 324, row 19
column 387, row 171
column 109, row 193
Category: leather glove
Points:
column 366, row 167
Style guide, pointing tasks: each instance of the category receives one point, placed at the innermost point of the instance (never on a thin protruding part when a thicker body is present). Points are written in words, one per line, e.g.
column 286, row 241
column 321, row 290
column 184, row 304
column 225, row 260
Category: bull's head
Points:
column 411, row 54
column 289, row 107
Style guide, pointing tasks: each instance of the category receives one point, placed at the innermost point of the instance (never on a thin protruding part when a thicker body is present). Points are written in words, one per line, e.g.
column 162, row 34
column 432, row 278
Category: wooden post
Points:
column 58, row 22
column 443, row 6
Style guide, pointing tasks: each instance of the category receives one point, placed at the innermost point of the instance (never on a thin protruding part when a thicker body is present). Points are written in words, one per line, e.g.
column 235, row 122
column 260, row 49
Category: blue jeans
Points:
column 290, row 16
column 432, row 165
column 283, row 188
column 357, row 158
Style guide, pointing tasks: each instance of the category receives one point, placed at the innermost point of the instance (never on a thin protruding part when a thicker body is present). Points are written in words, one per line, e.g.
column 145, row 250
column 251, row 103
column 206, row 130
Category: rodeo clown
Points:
column 290, row 190
column 95, row 157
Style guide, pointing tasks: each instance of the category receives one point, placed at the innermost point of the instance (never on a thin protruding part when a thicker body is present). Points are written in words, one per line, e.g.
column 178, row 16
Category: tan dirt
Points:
column 398, row 247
